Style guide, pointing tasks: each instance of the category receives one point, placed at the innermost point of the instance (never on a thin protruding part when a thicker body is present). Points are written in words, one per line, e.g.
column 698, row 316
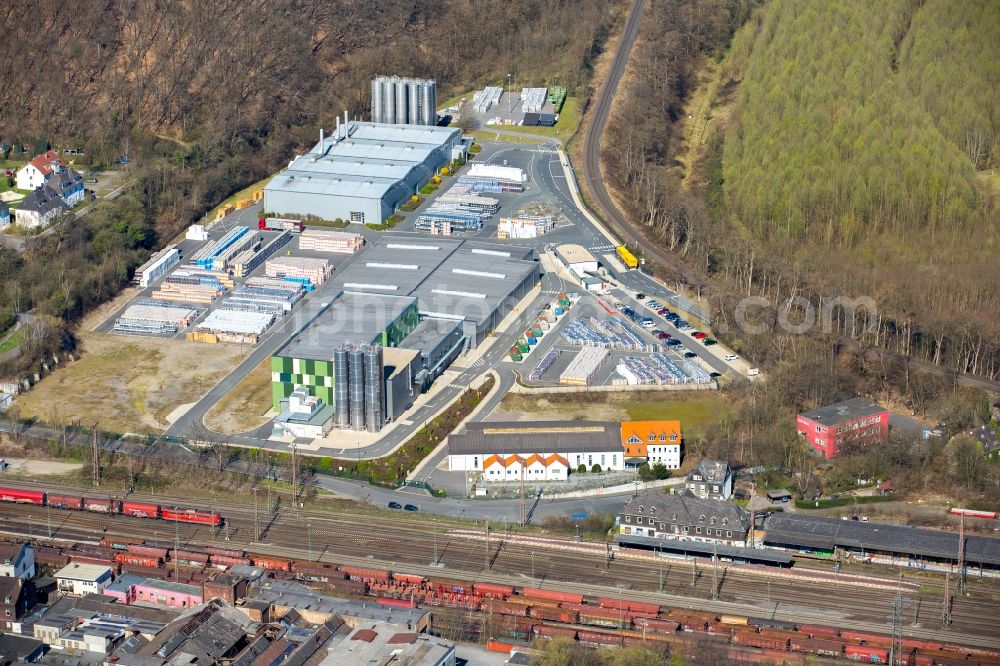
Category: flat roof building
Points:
column 81, row 578
column 362, row 172
column 845, row 427
column 577, row 258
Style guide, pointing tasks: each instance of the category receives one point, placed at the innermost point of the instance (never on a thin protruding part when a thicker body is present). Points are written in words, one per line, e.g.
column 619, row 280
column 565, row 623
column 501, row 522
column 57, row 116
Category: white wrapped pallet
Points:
column 583, row 367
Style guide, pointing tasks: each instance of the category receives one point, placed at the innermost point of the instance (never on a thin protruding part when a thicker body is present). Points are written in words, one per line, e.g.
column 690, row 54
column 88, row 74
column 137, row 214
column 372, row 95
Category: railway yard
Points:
column 854, row 599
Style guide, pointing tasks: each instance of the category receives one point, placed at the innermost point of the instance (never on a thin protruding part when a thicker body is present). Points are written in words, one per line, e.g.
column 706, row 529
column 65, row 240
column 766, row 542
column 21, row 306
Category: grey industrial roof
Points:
column 295, row 595
column 689, row 509
column 366, row 163
column 520, row 437
column 451, row 278
column 428, row 334
column 687, row 546
column 848, row 410
column 171, row 586
column 352, row 317
column 827, row 533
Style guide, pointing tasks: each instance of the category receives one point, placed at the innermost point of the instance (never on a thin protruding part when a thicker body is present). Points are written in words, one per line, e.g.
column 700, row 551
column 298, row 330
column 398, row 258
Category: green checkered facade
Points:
column 317, row 376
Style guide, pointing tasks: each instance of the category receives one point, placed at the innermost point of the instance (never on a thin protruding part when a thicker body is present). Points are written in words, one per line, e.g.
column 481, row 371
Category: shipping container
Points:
column 494, row 645
column 738, row 620
column 22, row 496
column 539, row 593
column 141, row 509
column 65, row 502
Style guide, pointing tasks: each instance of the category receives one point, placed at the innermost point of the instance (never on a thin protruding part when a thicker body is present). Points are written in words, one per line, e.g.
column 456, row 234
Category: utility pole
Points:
column 694, row 572
column 295, row 478
column 946, row 602
column 97, row 460
column 177, row 545
column 961, row 556
column 48, row 518
column 896, row 648
column 660, row 560
column 434, row 527
column 309, row 537
column 523, row 513
column 715, row 571
column 486, row 552
column 256, row 516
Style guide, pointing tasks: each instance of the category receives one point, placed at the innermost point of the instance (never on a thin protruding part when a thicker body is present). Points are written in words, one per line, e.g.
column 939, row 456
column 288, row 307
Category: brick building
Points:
column 845, row 427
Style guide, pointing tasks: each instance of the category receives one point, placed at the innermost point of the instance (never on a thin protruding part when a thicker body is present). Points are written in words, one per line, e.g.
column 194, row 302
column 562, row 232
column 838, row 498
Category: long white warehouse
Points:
column 361, row 173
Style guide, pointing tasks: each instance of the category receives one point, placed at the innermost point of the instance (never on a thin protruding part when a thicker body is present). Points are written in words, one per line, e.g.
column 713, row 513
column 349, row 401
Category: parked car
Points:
column 714, row 374
column 731, row 357
column 663, row 335
column 674, row 342
column 709, row 341
column 690, row 355
column 655, row 305
column 411, row 507
column 647, row 322
column 640, row 296
column 91, row 180
column 395, row 505
column 663, row 312
column 680, row 349
column 753, row 372
column 698, row 335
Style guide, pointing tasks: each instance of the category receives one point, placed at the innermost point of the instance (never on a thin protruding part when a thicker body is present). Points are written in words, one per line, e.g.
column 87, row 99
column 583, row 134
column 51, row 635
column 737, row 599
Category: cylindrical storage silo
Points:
column 356, row 361
column 388, row 100
column 428, row 109
column 374, row 389
column 341, row 387
column 401, row 100
column 377, row 100
column 413, row 102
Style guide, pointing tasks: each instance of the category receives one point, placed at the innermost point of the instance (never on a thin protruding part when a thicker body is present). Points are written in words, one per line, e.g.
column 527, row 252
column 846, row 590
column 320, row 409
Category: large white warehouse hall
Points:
column 362, row 172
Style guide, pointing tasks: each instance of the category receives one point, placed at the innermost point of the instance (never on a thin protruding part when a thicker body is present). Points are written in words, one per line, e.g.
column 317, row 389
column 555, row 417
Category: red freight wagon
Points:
column 504, row 608
column 446, row 585
column 191, row 516
column 225, row 552
column 319, row 573
column 952, row 660
column 493, row 589
column 599, row 637
column 538, row 593
column 224, row 561
column 819, row 630
column 872, row 655
column 396, row 603
column 625, row 604
column 65, row 502
column 657, row 625
column 651, row 641
column 553, row 614
column 357, row 588
column 189, row 557
column 91, row 559
column 139, row 560
column 364, row 573
column 549, row 631
column 146, row 551
column 101, row 505
column 274, row 563
column 119, row 543
column 411, row 579
column 141, row 509
column 22, row 496
column 756, row 640
column 917, row 658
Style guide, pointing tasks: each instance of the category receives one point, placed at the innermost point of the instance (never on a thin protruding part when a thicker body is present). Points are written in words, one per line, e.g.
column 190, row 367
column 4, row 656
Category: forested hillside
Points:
column 208, row 97
column 847, row 158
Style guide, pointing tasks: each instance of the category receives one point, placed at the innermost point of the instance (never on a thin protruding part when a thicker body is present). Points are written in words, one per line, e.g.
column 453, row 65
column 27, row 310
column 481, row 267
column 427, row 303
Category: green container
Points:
column 564, row 302
column 537, row 331
column 516, row 357
column 525, row 348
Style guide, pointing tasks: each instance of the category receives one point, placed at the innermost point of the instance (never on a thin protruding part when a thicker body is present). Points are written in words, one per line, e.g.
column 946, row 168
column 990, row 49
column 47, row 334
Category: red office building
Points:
column 845, row 427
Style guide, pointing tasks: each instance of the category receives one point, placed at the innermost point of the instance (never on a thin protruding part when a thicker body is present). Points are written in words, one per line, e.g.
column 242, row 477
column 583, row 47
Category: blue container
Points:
column 532, row 341
column 559, row 311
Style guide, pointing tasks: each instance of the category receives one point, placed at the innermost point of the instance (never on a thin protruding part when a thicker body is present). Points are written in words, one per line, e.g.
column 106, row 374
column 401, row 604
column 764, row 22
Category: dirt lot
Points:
column 39, row 467
column 247, row 406
column 128, row 384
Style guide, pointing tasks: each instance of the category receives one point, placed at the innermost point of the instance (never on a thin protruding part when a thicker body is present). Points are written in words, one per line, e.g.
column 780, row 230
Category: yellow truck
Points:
column 627, row 257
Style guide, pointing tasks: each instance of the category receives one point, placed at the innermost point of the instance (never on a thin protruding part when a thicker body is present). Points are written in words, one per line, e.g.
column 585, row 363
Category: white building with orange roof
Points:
column 652, row 442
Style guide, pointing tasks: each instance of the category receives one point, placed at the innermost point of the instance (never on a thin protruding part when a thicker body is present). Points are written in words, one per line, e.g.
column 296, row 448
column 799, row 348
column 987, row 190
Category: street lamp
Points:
column 435, row 530
column 156, row 540
column 578, row 531
column 532, row 565
column 309, row 538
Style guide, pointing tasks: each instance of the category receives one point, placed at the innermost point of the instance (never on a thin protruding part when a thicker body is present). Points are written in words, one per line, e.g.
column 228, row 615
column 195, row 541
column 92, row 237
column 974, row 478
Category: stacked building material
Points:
column 483, row 184
column 189, row 288
column 437, row 221
column 258, row 298
column 155, row 318
column 246, row 261
column 250, row 241
column 328, row 240
column 533, row 99
column 583, row 368
column 483, row 99
column 205, row 256
column 524, row 227
column 235, row 325
column 317, row 271
column 460, row 200
column 158, row 264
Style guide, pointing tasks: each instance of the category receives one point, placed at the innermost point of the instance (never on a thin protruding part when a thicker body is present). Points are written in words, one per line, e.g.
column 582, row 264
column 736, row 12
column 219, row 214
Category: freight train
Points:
column 520, row 615
column 107, row 505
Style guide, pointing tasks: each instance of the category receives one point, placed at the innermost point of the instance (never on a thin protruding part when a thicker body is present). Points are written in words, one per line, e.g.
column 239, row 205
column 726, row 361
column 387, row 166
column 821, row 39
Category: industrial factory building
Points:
column 404, row 101
column 476, row 284
column 362, row 173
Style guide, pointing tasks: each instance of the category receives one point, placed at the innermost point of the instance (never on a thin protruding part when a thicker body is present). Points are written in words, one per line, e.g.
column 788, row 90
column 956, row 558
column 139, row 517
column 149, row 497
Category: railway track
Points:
column 400, row 545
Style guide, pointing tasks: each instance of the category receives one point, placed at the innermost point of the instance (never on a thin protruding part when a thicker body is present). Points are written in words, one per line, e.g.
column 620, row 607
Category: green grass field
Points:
column 12, row 341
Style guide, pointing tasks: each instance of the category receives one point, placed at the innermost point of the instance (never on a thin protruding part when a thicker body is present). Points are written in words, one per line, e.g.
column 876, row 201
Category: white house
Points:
column 40, row 208
column 67, row 183
column 80, row 579
column 537, row 467
column 32, row 175
column 711, row 479
column 17, row 560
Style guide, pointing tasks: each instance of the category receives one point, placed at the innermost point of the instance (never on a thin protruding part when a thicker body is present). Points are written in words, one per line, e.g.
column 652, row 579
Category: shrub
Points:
column 596, row 469
column 581, row 469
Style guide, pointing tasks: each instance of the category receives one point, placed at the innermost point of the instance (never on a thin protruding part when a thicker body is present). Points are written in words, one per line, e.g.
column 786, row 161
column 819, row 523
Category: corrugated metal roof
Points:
column 537, row 437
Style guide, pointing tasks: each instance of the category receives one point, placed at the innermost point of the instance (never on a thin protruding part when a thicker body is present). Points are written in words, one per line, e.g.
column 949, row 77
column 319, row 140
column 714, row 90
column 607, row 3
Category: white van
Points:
column 753, row 372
